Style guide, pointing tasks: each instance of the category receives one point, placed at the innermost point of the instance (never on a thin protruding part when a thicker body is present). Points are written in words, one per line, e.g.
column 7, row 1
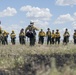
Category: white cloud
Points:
column 75, row 14
column 36, row 12
column 41, row 24
column 65, row 2
column 64, row 19
column 41, row 16
column 22, row 22
column 74, row 25
column 8, row 12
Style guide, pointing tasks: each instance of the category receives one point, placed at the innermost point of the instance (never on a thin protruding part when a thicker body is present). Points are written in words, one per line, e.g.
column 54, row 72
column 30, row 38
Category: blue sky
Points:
column 55, row 14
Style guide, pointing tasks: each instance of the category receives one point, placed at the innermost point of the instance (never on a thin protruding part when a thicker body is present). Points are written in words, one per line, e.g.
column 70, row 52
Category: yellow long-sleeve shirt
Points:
column 41, row 33
column 66, row 34
column 22, row 34
column 5, row 34
column 31, row 28
column 48, row 33
column 57, row 34
column 12, row 35
column 53, row 35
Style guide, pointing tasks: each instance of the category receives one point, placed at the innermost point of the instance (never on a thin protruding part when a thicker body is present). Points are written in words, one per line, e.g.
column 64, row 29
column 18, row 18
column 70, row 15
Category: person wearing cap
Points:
column 30, row 32
column 13, row 37
column 5, row 37
column 57, row 37
column 22, row 36
column 66, row 36
column 53, row 37
column 41, row 37
column 31, row 27
column 74, row 36
column 48, row 35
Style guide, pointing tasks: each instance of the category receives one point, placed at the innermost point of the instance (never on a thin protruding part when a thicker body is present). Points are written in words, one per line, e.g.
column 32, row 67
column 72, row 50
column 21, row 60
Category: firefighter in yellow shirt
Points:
column 48, row 35
column 22, row 37
column 66, row 36
column 57, row 37
column 13, row 37
column 53, row 37
column 41, row 36
column 31, row 27
column 30, row 32
column 5, row 37
column 74, row 36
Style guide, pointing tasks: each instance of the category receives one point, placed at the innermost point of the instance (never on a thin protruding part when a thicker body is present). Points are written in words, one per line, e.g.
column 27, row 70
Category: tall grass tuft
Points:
column 53, row 70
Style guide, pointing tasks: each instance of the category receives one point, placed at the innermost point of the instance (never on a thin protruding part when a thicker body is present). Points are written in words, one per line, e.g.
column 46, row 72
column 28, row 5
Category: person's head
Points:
column 5, row 31
column 41, row 29
column 75, row 30
column 12, row 31
column 22, row 30
column 66, row 29
column 48, row 29
column 57, row 30
column 52, row 31
column 31, row 23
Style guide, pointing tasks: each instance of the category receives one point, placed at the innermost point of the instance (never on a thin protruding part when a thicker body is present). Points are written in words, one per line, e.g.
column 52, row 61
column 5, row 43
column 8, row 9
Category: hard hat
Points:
column 31, row 23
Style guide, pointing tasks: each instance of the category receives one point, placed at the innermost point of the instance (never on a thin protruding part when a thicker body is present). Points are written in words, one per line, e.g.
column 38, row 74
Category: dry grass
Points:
column 13, row 56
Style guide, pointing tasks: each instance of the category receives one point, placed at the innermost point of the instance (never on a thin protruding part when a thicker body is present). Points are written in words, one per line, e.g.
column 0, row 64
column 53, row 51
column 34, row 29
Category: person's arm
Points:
column 73, row 36
column 69, row 34
column 26, row 29
column 44, row 34
column 59, row 34
column 36, row 28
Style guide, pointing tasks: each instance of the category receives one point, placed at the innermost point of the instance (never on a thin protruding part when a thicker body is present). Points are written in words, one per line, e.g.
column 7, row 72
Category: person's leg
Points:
column 30, row 41
column 55, row 40
column 14, row 41
column 47, row 40
column 6, row 41
column 42, row 40
column 20, row 39
column 50, row 40
column 58, row 40
column 75, row 41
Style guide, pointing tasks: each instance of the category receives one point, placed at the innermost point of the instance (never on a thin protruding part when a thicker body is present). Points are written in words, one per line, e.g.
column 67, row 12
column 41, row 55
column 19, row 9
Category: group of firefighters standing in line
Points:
column 30, row 32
